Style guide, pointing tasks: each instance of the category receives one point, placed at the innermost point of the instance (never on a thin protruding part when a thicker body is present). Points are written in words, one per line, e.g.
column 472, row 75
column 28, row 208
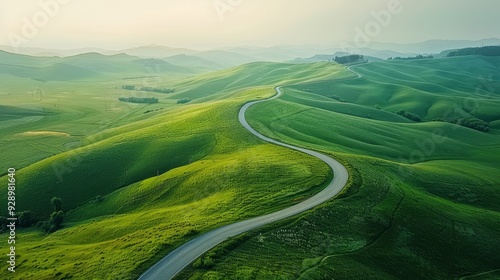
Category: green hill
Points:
column 193, row 62
column 171, row 174
column 422, row 203
column 84, row 66
column 138, row 180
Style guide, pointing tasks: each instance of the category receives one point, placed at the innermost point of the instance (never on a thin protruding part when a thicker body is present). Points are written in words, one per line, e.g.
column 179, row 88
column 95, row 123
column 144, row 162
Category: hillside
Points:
column 138, row 180
column 200, row 162
column 83, row 66
column 421, row 192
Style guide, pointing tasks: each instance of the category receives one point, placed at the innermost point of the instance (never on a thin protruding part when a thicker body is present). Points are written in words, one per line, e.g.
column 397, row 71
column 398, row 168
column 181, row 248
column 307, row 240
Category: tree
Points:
column 55, row 221
column 412, row 57
column 150, row 100
column 409, row 115
column 57, row 203
column 183, row 101
column 160, row 90
column 26, row 219
column 348, row 58
column 486, row 51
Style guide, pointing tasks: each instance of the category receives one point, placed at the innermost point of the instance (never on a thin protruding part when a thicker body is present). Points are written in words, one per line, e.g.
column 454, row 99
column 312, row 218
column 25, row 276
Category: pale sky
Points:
column 119, row 24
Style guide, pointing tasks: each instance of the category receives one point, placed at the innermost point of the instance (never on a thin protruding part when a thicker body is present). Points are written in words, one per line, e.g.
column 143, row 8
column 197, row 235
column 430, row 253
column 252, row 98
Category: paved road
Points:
column 178, row 259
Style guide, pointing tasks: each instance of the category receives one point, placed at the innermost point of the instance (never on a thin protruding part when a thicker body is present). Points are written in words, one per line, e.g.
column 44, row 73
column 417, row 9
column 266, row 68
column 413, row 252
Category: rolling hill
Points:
column 200, row 164
column 422, row 204
column 138, row 180
column 84, row 66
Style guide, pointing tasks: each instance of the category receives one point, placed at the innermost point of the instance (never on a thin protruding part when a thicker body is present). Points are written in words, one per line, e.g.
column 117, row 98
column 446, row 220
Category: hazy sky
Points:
column 118, row 24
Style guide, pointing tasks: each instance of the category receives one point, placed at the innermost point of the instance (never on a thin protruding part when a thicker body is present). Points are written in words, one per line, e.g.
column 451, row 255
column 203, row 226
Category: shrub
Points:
column 348, row 58
column 409, row 115
column 57, row 203
column 472, row 123
column 25, row 219
column 55, row 221
column 183, row 101
column 148, row 100
column 159, row 90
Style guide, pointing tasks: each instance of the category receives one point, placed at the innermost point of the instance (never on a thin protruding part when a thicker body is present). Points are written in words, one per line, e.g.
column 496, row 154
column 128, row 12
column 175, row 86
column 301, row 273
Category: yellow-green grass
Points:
column 383, row 228
column 89, row 107
column 146, row 184
column 433, row 215
column 204, row 86
column 133, row 226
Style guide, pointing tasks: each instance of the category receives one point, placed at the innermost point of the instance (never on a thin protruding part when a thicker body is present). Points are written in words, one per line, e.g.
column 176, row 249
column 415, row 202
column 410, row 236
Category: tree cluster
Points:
column 183, row 100
column 56, row 218
column 473, row 123
column 486, row 51
column 411, row 57
column 24, row 220
column 132, row 99
column 128, row 87
column 150, row 111
column 159, row 90
column 150, row 89
column 348, row 58
column 138, row 77
column 409, row 115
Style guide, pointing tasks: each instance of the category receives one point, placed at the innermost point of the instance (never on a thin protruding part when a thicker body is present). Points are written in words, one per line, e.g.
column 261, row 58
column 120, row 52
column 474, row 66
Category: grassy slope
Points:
column 434, row 216
column 211, row 172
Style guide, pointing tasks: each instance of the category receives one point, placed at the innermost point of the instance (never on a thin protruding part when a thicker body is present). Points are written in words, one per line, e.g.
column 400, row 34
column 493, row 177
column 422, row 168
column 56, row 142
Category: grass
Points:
column 422, row 203
column 137, row 185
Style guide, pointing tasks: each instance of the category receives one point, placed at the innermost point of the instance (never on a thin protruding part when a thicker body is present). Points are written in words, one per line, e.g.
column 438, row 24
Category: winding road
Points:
column 178, row 259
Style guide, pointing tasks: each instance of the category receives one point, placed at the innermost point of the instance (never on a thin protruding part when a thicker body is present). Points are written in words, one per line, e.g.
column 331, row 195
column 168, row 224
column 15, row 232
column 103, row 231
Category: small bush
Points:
column 183, row 101
column 57, row 203
column 472, row 123
column 148, row 100
column 25, row 219
column 409, row 115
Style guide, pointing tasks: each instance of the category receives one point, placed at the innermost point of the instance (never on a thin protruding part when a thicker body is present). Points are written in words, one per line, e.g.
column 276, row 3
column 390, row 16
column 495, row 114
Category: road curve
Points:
column 178, row 259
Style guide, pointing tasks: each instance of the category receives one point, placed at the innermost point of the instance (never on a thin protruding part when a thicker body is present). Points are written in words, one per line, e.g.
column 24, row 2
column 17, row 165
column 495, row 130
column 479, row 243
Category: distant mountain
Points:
column 193, row 61
column 160, row 66
column 233, row 56
column 318, row 58
column 226, row 58
column 54, row 52
column 433, row 46
column 328, row 57
column 83, row 66
column 278, row 53
column 484, row 51
column 25, row 60
column 368, row 52
column 155, row 51
column 385, row 50
column 42, row 69
column 213, row 59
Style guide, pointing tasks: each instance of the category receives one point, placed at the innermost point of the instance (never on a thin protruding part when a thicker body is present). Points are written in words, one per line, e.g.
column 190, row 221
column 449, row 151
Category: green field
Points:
column 137, row 185
column 138, row 180
column 422, row 203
